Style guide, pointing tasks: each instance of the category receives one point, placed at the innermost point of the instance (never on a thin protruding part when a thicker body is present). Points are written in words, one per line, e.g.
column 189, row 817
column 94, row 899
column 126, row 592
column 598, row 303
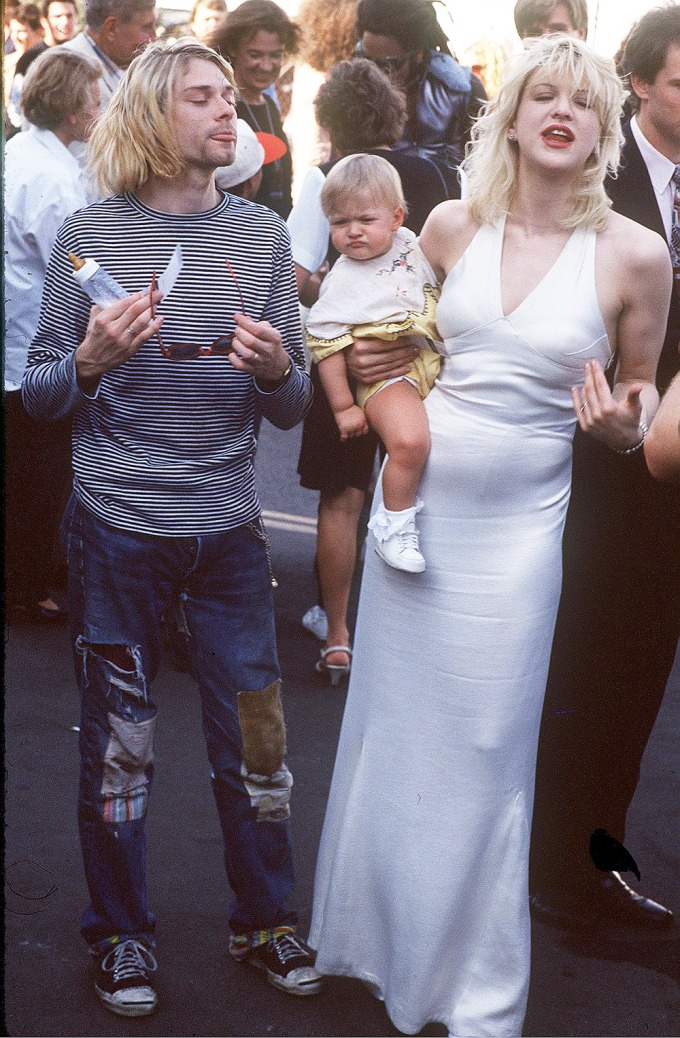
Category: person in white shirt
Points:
column 43, row 185
column 115, row 30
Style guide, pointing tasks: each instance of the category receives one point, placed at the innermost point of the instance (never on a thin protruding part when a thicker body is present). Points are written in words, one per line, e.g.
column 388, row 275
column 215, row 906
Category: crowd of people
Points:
column 482, row 294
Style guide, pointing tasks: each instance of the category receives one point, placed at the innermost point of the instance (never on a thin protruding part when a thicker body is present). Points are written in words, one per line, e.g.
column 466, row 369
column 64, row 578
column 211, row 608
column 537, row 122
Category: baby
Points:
column 381, row 287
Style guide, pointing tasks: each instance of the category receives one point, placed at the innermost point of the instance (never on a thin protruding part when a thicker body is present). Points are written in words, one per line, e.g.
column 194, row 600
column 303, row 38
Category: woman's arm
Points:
column 639, row 272
column 309, row 236
column 662, row 446
column 309, row 284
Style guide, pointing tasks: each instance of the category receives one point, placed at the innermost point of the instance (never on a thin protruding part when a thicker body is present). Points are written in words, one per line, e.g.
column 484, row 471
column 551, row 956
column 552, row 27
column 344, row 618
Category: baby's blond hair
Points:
column 365, row 177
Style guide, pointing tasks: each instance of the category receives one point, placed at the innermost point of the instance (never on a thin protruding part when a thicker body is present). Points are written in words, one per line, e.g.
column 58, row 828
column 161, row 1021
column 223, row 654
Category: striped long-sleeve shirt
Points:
column 163, row 446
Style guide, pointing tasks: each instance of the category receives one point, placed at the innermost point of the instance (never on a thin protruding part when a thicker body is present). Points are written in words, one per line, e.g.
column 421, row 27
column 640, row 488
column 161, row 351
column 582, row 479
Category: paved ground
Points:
column 620, row 985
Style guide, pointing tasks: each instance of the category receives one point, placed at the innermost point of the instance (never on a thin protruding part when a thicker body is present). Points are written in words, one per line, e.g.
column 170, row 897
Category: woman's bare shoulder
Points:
column 635, row 247
column 448, row 231
column 453, row 215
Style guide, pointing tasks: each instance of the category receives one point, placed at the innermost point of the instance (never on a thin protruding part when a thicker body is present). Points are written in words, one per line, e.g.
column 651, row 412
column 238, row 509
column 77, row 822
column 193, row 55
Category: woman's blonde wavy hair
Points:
column 492, row 161
column 135, row 139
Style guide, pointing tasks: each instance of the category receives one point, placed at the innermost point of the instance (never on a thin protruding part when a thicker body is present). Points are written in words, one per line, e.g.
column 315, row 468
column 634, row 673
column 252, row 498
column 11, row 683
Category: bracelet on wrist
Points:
column 636, row 446
column 270, row 387
column 289, row 371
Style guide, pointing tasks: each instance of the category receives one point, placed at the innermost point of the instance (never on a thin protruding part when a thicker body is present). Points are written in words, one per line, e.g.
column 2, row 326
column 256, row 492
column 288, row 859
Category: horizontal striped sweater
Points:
column 167, row 447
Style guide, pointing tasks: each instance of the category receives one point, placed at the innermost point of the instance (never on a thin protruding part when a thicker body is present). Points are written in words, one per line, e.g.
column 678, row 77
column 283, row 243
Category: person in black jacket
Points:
column 404, row 39
column 619, row 620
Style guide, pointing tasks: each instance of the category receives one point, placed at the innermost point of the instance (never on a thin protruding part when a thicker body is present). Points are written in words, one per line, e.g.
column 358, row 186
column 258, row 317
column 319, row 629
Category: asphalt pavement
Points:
column 619, row 984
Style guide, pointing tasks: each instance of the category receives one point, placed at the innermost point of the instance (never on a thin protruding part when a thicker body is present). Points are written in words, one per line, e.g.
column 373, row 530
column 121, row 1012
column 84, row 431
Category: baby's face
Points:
column 363, row 231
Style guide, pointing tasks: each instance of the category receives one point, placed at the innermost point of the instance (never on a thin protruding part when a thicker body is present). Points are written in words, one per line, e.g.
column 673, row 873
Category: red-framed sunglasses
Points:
column 190, row 350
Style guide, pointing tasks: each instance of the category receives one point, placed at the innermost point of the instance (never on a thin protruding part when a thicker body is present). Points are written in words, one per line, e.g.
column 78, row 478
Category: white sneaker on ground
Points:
column 316, row 622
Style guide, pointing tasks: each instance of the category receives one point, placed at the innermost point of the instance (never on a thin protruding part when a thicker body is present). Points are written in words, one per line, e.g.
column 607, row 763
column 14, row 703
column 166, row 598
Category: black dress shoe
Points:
column 605, row 900
column 622, row 904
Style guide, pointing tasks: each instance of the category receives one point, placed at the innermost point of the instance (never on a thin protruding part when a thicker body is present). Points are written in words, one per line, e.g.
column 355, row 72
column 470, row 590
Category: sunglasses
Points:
column 393, row 63
column 221, row 347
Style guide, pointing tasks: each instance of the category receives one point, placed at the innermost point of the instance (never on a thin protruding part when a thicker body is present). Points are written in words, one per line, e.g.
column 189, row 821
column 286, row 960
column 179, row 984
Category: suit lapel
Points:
column 631, row 191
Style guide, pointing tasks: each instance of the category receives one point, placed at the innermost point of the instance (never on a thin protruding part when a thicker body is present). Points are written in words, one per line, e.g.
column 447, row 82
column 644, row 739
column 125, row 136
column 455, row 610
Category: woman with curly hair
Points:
column 255, row 38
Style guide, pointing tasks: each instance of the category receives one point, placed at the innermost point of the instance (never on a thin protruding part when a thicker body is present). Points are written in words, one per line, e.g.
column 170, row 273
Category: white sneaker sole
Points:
column 303, row 981
column 144, row 1004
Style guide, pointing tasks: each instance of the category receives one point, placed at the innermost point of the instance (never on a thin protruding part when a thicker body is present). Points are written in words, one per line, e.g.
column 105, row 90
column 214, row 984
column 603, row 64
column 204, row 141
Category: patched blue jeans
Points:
column 120, row 584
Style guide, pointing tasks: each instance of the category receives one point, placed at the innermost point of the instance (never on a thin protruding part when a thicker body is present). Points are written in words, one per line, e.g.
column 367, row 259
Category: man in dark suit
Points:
column 619, row 620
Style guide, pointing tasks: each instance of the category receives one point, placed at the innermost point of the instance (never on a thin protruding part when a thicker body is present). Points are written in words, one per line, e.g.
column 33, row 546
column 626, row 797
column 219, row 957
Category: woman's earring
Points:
column 511, row 136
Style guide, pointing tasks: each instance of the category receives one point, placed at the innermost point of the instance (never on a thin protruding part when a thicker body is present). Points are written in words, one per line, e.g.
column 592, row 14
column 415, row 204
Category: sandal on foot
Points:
column 334, row 670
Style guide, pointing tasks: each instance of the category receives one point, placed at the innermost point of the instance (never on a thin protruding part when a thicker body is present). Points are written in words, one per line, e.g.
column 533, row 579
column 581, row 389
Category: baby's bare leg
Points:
column 398, row 416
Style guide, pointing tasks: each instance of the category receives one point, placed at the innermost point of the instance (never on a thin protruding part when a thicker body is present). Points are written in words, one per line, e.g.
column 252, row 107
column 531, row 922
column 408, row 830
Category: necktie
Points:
column 675, row 228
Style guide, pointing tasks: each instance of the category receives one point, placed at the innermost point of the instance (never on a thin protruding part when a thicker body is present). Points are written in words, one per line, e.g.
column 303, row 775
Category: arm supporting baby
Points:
column 372, row 360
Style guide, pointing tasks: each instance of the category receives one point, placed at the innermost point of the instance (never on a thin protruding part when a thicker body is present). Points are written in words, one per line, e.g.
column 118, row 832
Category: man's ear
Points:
column 640, row 88
column 109, row 28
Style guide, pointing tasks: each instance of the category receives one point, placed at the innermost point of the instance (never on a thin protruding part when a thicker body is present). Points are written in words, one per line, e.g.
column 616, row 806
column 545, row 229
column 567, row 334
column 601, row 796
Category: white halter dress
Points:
column 421, row 880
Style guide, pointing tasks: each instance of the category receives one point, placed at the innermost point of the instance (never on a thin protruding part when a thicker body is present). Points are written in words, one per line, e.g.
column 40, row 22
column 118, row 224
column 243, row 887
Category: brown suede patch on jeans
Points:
column 263, row 731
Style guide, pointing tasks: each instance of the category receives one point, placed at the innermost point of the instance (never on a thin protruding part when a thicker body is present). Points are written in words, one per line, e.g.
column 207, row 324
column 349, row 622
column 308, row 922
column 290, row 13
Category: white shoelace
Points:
column 129, row 959
column 408, row 539
column 286, row 947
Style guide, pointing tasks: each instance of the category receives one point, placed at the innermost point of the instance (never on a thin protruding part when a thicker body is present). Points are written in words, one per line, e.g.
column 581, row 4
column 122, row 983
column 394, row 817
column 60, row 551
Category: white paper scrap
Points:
column 166, row 281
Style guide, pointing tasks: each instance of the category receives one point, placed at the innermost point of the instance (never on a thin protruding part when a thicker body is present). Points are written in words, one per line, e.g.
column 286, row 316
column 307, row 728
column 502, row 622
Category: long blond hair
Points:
column 492, row 161
column 134, row 139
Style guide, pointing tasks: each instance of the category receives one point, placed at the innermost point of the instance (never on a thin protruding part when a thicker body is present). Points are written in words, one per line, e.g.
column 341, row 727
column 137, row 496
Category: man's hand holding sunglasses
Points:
column 114, row 334
column 256, row 349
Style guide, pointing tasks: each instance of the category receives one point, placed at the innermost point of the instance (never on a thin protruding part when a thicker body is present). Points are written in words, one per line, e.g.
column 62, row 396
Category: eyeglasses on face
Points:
column 391, row 63
column 190, row 350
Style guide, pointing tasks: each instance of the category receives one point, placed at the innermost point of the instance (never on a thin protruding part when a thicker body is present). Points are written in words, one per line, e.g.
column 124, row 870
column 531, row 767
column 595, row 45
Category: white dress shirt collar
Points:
column 660, row 171
column 659, row 167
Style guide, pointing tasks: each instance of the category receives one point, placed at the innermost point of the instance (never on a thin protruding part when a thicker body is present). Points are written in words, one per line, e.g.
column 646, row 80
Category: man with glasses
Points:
column 164, row 504
column 405, row 40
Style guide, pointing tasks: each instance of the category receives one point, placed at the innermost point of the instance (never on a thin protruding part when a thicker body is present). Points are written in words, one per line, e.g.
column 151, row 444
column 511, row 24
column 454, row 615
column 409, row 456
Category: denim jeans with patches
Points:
column 120, row 584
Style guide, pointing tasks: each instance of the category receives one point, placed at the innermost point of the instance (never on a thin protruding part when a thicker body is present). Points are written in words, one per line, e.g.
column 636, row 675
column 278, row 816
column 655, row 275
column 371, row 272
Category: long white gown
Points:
column 421, row 880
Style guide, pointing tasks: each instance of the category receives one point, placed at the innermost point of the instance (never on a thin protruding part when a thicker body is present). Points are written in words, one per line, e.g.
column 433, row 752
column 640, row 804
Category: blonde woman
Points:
column 421, row 884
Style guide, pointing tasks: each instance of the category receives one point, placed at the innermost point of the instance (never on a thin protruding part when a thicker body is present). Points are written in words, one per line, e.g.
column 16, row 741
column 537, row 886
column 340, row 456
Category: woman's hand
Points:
column 372, row 360
column 257, row 350
column 613, row 417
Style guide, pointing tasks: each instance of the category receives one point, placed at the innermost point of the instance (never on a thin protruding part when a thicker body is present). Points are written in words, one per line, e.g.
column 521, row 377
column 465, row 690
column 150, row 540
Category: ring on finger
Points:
column 583, row 407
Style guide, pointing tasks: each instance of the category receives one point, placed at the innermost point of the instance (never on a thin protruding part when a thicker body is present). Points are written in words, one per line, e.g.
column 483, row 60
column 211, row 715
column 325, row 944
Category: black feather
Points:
column 609, row 854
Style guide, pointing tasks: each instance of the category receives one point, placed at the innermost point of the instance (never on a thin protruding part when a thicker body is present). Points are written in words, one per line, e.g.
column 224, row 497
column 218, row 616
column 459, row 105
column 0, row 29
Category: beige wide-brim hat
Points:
column 253, row 151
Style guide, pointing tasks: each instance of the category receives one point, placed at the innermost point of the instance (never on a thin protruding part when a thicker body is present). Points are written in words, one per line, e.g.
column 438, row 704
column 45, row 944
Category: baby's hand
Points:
column 351, row 422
